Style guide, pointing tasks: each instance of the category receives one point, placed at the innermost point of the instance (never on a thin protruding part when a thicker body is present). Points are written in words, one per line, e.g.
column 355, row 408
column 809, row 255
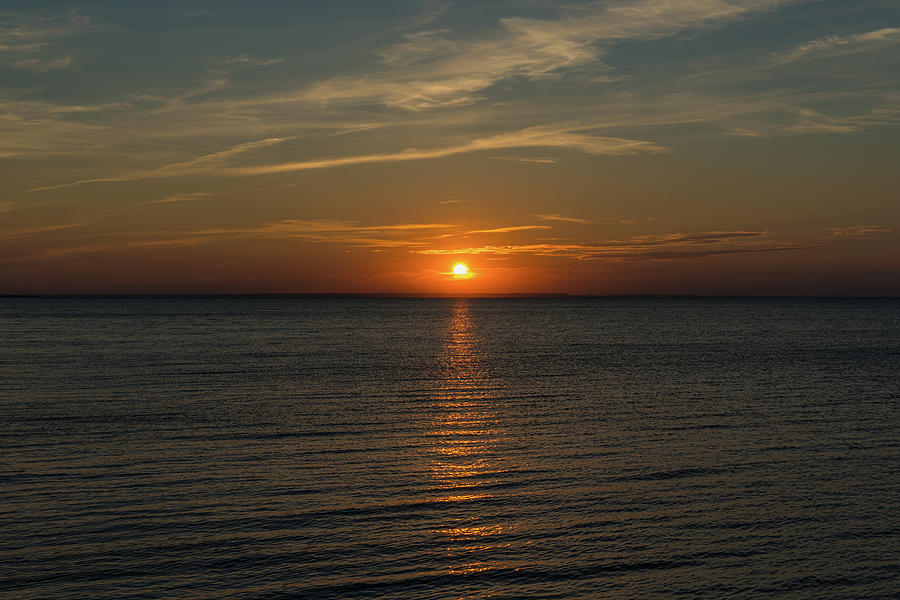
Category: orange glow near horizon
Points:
column 404, row 164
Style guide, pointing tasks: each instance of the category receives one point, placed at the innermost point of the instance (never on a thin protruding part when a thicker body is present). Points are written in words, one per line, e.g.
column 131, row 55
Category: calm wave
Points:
column 300, row 448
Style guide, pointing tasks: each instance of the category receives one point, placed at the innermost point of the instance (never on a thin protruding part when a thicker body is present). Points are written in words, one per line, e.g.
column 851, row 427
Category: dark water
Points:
column 297, row 448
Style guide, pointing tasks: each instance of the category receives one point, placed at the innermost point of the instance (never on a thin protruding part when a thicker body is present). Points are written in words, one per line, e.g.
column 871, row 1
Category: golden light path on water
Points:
column 464, row 464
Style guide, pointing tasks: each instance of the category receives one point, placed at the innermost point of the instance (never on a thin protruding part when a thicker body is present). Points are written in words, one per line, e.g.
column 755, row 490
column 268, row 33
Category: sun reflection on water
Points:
column 464, row 455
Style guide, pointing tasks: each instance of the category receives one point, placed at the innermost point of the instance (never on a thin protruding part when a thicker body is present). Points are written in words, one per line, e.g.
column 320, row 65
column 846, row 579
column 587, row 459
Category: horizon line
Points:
column 387, row 296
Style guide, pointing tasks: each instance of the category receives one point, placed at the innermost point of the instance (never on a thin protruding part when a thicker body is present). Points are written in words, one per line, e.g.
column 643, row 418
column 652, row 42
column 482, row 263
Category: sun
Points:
column 460, row 269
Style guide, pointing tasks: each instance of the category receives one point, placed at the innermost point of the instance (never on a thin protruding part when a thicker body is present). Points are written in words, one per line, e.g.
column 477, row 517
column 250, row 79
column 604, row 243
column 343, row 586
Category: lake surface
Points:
column 445, row 449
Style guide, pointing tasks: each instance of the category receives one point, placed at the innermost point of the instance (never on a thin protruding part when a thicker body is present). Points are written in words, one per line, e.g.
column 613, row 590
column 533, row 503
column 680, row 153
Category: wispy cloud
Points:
column 508, row 229
column 562, row 218
column 421, row 45
column 30, row 231
column 30, row 128
column 810, row 121
column 185, row 197
column 612, row 252
column 674, row 246
column 417, row 238
column 43, row 64
column 324, row 231
column 429, row 69
column 710, row 237
column 216, row 78
column 438, row 72
column 694, row 254
column 26, row 39
column 526, row 159
column 834, row 45
column 859, row 230
column 300, row 226
column 244, row 60
column 531, row 137
column 328, row 231
column 54, row 253
column 203, row 164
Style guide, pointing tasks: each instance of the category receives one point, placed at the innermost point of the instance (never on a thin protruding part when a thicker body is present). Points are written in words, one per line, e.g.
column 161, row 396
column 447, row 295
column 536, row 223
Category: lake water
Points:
column 446, row 449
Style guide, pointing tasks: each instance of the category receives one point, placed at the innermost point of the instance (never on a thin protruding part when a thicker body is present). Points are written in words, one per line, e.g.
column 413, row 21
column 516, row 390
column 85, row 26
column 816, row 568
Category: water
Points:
column 322, row 448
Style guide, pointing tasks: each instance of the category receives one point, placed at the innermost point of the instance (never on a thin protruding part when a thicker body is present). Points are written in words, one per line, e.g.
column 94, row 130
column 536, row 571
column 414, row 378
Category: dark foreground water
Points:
column 297, row 448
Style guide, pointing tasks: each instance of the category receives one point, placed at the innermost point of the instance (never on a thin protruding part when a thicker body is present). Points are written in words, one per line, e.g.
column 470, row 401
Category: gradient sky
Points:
column 613, row 147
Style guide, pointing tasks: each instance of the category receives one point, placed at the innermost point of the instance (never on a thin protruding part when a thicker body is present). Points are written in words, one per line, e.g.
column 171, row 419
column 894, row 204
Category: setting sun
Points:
column 460, row 269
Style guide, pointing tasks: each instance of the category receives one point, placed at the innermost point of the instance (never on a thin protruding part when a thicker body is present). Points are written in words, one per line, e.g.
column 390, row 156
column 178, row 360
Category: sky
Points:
column 616, row 147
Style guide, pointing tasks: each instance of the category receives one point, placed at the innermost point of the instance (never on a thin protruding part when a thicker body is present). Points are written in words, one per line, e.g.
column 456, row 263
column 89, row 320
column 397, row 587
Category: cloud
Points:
column 694, row 254
column 438, row 67
column 318, row 231
column 785, row 118
column 492, row 230
column 26, row 38
column 31, row 128
column 299, row 226
column 508, row 229
column 710, row 237
column 834, row 45
column 562, row 218
column 525, row 159
column 438, row 72
column 531, row 137
column 43, row 64
column 859, row 230
column 562, row 249
column 424, row 66
column 617, row 253
column 409, row 237
column 185, row 197
column 214, row 79
column 418, row 46
column 52, row 253
column 810, row 121
column 28, row 31
column 330, row 232
column 207, row 163
column 429, row 70
column 649, row 247
column 244, row 60
column 29, row 231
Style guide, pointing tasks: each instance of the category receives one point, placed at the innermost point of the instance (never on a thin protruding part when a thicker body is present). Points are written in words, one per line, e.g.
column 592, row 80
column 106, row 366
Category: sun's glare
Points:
column 460, row 269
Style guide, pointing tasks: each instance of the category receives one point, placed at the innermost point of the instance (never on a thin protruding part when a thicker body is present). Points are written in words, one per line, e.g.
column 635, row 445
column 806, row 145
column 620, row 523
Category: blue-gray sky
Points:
column 636, row 146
